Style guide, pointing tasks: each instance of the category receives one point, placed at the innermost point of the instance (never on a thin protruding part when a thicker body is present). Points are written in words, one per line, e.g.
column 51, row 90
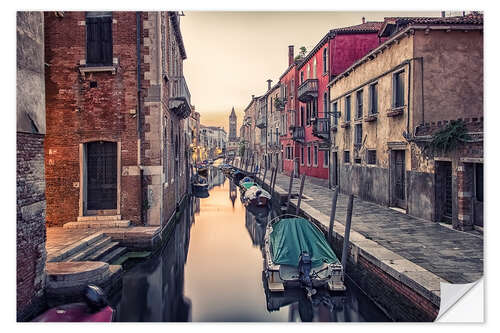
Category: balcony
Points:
column 308, row 90
column 179, row 101
column 261, row 121
column 279, row 103
column 298, row 134
column 321, row 128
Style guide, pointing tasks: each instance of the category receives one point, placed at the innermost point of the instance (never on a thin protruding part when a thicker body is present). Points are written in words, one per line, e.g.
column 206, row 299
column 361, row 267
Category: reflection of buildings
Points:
column 154, row 289
column 256, row 228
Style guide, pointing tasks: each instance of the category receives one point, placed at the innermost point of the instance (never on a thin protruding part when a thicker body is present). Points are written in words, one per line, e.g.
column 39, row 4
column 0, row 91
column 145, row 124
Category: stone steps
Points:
column 98, row 224
column 114, row 255
column 98, row 218
column 71, row 250
column 85, row 253
column 100, row 253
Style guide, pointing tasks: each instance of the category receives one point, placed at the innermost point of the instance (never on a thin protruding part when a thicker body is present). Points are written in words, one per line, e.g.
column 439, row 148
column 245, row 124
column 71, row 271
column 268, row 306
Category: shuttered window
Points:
column 99, row 39
column 373, row 98
column 398, row 90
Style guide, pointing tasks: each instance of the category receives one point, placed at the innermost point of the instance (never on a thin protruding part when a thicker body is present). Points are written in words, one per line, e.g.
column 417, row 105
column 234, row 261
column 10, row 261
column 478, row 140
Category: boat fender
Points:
column 94, row 298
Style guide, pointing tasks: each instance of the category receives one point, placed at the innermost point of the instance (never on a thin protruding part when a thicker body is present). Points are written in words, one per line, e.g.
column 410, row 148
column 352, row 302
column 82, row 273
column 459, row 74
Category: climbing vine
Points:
column 450, row 137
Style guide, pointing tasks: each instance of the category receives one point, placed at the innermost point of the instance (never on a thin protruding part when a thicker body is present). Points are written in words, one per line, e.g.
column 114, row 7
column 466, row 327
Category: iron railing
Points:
column 321, row 128
column 308, row 90
column 298, row 134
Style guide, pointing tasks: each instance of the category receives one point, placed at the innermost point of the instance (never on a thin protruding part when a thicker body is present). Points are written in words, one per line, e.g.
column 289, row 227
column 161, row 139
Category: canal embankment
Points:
column 398, row 260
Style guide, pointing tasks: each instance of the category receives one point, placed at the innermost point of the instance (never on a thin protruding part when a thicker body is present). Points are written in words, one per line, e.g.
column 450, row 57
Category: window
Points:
column 348, row 108
column 357, row 160
column 359, row 104
column 374, row 98
column 302, row 155
column 325, row 158
column 308, row 71
column 99, row 39
column 325, row 61
column 292, row 86
column 314, row 68
column 358, row 134
column 308, row 155
column 398, row 90
column 277, row 136
column 302, row 116
column 335, row 115
column 346, row 156
column 314, row 104
column 325, row 104
column 371, row 157
column 315, row 155
column 301, row 77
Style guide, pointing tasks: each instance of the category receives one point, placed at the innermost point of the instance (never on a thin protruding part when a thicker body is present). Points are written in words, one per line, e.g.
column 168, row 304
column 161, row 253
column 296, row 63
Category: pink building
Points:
column 310, row 129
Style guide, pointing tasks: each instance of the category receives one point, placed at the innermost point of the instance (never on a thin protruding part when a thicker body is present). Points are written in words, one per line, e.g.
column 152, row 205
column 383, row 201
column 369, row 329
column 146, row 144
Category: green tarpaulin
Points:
column 291, row 236
column 247, row 185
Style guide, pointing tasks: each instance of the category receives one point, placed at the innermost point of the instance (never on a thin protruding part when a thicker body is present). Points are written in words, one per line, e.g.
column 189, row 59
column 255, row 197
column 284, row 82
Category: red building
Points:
column 310, row 133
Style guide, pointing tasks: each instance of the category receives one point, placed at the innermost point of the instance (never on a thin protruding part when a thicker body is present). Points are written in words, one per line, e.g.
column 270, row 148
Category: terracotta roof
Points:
column 402, row 22
column 364, row 27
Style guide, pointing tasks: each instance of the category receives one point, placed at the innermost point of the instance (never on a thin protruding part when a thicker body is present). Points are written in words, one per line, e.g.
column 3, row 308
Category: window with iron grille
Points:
column 374, row 98
column 302, row 155
column 325, row 104
column 371, row 157
column 347, row 158
column 99, row 38
column 309, row 155
column 326, row 157
column 348, row 108
column 358, row 134
column 398, row 90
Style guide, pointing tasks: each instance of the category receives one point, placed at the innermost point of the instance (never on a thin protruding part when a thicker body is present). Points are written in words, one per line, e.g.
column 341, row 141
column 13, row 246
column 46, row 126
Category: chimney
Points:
column 290, row 55
column 363, row 19
column 269, row 84
column 442, row 14
column 253, row 97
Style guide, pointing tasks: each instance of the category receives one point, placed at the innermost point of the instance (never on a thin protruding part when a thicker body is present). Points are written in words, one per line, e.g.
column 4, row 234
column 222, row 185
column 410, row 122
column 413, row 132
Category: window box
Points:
column 94, row 69
column 345, row 124
column 371, row 117
column 394, row 112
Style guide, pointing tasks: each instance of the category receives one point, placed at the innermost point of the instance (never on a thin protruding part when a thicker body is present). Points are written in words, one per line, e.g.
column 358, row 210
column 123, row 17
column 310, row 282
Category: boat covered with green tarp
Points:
column 298, row 255
column 292, row 236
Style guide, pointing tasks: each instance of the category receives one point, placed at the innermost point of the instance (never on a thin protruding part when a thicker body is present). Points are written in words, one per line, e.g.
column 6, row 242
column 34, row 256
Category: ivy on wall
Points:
column 450, row 137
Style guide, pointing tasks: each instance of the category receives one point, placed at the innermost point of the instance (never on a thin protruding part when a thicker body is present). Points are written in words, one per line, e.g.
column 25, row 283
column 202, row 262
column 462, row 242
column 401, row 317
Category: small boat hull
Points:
column 75, row 312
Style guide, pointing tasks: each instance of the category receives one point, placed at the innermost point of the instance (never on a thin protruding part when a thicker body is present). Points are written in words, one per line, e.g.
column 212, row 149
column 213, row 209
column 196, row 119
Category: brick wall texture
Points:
column 78, row 113
column 31, row 236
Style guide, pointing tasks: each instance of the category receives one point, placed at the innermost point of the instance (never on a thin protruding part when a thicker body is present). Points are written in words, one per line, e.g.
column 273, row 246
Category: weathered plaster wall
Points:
column 377, row 133
column 30, row 182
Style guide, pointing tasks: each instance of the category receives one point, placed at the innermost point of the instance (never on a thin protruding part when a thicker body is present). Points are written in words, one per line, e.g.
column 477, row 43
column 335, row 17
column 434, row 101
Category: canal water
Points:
column 211, row 270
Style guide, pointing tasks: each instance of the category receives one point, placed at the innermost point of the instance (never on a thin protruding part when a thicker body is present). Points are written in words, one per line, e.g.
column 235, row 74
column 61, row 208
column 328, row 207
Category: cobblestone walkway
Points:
column 450, row 254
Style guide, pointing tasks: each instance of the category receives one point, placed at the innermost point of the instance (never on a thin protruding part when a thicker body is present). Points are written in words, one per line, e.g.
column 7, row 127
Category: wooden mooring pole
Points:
column 289, row 191
column 347, row 232
column 264, row 177
column 332, row 214
column 299, row 200
column 273, row 181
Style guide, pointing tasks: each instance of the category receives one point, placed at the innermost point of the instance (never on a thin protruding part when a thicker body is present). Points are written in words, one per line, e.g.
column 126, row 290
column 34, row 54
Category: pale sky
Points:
column 230, row 55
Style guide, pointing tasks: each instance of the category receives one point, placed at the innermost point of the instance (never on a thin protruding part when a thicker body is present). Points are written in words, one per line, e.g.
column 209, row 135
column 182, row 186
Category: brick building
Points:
column 425, row 78
column 116, row 106
column 30, row 182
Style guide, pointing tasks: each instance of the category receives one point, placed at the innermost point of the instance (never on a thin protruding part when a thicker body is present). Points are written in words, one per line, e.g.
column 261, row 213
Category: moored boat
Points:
column 298, row 255
column 200, row 186
column 94, row 309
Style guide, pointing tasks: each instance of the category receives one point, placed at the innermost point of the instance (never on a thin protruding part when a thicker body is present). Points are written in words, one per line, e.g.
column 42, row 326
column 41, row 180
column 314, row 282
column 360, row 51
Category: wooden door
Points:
column 101, row 175
column 444, row 202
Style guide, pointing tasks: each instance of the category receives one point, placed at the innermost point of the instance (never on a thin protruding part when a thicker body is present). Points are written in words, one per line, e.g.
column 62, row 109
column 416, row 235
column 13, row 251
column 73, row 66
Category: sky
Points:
column 231, row 55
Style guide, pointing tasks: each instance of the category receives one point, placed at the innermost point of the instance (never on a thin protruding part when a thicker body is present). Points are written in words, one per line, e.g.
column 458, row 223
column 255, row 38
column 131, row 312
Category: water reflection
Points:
column 212, row 270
